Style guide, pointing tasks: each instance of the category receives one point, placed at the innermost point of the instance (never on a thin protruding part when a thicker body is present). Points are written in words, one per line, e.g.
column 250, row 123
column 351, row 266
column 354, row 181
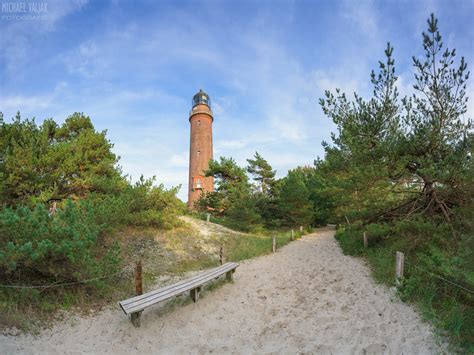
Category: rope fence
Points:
column 440, row 278
column 66, row 283
column 399, row 266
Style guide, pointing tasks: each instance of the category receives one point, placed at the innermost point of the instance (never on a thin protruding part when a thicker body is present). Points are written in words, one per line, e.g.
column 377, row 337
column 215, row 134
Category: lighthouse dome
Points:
column 201, row 98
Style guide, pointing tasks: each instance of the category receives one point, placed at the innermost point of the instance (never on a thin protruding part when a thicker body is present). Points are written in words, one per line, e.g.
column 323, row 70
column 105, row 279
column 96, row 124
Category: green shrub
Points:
column 350, row 241
column 141, row 204
column 64, row 247
column 149, row 205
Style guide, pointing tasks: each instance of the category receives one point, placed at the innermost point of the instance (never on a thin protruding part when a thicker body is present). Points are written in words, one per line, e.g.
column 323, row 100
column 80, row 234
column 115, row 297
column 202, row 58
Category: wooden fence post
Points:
column 366, row 242
column 221, row 255
column 292, row 234
column 53, row 209
column 138, row 291
column 274, row 244
column 195, row 293
column 347, row 220
column 400, row 259
column 208, row 217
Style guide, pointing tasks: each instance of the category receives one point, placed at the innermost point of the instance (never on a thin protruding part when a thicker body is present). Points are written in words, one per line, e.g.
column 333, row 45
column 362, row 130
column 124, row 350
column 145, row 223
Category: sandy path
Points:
column 308, row 297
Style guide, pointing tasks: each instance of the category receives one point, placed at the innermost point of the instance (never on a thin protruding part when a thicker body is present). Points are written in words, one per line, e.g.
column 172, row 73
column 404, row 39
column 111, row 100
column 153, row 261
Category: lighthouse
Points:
column 200, row 150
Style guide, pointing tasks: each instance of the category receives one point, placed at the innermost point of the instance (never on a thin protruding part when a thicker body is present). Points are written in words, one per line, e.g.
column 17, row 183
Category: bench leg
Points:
column 135, row 318
column 229, row 275
column 195, row 294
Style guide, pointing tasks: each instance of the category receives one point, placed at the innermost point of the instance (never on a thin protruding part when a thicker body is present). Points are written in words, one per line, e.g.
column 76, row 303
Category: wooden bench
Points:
column 135, row 305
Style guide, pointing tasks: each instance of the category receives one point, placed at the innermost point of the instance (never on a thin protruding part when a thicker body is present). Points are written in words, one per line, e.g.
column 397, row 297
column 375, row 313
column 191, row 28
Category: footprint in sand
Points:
column 374, row 349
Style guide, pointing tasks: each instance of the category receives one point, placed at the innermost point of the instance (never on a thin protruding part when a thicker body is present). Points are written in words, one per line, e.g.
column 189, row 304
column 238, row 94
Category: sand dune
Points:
column 308, row 297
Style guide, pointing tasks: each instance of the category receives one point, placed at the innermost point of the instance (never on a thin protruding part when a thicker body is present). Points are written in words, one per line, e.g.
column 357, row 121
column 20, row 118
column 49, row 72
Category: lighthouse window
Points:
column 199, row 152
column 198, row 184
column 199, row 122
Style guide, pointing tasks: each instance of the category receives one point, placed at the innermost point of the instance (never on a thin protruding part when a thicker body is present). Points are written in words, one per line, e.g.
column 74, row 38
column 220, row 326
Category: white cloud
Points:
column 31, row 105
column 287, row 126
column 18, row 35
column 83, row 59
column 25, row 103
column 179, row 160
column 404, row 84
column 231, row 144
column 335, row 79
column 363, row 15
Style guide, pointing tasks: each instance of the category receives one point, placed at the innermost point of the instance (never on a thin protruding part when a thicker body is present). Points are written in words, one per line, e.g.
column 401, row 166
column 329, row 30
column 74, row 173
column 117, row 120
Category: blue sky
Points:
column 133, row 66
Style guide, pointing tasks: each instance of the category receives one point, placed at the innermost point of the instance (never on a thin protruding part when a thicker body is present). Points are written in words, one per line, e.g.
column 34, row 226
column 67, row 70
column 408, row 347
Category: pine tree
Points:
column 437, row 144
column 294, row 201
column 39, row 163
column 231, row 182
column 392, row 159
column 262, row 173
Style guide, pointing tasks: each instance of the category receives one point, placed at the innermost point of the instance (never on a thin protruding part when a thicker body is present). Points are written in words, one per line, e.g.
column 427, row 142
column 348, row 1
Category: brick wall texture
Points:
column 200, row 152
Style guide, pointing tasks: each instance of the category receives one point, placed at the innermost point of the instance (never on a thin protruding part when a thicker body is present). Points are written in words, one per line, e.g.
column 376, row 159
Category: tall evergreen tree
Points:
column 394, row 159
column 294, row 204
column 231, row 181
column 436, row 146
column 262, row 173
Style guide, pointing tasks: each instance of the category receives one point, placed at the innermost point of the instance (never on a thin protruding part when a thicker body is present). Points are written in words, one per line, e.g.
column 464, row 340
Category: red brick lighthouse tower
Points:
column 200, row 152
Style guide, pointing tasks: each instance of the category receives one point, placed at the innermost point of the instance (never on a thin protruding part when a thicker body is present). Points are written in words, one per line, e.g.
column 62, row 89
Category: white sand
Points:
column 308, row 297
column 208, row 229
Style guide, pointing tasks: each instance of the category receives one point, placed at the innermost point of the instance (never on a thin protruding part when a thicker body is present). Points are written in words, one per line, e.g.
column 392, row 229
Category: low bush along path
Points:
column 308, row 297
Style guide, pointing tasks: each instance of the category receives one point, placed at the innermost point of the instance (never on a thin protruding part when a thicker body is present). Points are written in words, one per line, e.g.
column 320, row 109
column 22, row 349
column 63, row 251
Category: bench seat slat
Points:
column 149, row 300
column 219, row 270
column 138, row 303
column 160, row 290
